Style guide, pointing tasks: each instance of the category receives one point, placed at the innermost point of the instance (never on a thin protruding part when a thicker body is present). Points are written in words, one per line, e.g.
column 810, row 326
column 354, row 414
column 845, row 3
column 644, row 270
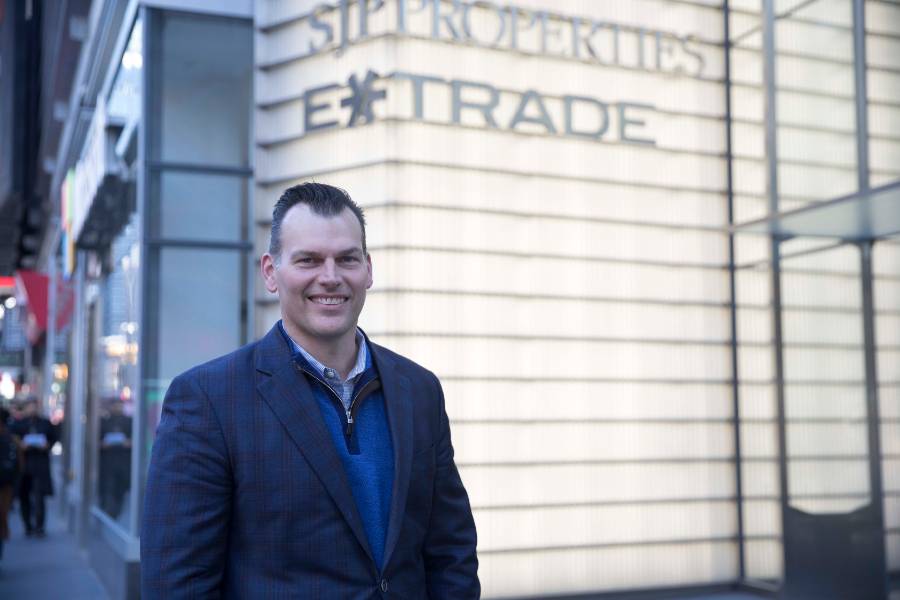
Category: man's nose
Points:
column 328, row 273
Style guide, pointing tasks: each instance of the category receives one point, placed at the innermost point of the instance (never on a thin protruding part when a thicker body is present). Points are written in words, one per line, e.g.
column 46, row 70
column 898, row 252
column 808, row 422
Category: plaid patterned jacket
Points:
column 246, row 496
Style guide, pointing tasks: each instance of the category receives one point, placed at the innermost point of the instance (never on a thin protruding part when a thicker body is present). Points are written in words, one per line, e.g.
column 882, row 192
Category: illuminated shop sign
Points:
column 471, row 103
column 89, row 171
column 506, row 27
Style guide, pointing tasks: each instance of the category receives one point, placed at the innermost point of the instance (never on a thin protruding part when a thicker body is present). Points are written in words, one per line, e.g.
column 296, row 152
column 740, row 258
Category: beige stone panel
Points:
column 537, row 442
column 492, row 316
column 758, row 440
column 492, row 274
column 760, row 478
column 575, row 360
column 580, row 570
column 497, row 233
column 764, row 560
column 526, row 485
column 882, row 17
column 489, row 400
column 434, row 185
column 534, row 528
column 762, row 518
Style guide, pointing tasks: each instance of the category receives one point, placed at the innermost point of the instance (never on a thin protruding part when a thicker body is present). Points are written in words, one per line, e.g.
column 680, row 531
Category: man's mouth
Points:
column 329, row 300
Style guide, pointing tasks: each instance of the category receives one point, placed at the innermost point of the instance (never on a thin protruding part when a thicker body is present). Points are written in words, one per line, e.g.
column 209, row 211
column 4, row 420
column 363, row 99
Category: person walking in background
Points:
column 115, row 457
column 36, row 437
column 10, row 467
column 313, row 463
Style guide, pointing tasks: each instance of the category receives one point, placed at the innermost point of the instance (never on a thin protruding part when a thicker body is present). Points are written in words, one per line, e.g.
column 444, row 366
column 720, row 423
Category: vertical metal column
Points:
column 768, row 29
column 78, row 495
column 139, row 418
column 876, row 485
column 862, row 100
column 732, row 285
column 868, row 312
column 50, row 336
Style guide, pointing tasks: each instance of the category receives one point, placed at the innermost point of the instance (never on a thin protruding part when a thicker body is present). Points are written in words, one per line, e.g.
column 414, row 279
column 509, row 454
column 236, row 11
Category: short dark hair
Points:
column 323, row 199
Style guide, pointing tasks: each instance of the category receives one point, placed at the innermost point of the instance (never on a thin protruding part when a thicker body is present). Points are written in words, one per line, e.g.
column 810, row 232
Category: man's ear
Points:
column 369, row 269
column 267, row 268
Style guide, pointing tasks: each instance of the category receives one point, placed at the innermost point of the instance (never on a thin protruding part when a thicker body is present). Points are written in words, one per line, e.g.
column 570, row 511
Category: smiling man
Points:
column 312, row 463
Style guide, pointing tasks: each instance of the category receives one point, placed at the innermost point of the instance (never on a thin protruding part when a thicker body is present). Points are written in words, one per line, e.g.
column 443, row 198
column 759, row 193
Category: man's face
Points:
column 322, row 275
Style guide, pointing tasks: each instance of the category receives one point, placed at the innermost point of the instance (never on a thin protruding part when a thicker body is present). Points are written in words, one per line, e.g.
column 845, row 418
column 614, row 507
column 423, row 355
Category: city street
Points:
column 44, row 569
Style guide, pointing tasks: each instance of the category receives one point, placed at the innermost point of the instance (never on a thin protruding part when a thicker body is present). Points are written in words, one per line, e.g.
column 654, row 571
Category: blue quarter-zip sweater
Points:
column 364, row 446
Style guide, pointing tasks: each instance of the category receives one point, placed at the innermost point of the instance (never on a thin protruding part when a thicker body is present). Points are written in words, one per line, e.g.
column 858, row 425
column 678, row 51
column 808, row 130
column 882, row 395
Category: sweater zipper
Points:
column 350, row 411
column 362, row 393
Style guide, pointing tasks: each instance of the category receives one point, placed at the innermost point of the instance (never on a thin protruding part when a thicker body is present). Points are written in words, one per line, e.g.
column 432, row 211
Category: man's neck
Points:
column 339, row 354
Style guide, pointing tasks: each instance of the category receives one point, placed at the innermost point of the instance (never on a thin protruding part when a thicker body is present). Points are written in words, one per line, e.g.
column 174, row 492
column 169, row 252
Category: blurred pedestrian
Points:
column 36, row 437
column 115, row 458
column 10, row 467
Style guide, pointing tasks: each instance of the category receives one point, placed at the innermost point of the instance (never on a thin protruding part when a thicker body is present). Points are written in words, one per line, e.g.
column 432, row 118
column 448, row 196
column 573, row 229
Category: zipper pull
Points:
column 349, row 423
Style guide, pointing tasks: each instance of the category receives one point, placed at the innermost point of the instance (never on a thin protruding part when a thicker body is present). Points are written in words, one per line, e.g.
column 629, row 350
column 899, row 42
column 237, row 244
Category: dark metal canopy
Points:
column 868, row 215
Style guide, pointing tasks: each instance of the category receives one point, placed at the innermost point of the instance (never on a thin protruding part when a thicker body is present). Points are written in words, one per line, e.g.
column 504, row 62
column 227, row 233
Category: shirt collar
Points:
column 362, row 357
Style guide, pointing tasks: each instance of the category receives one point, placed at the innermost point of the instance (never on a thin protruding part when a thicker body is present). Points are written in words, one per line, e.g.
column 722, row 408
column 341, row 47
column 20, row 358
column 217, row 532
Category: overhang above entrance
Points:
column 869, row 215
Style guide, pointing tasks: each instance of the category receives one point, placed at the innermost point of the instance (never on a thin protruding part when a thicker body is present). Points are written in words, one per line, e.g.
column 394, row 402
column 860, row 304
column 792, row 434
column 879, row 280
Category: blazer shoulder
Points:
column 237, row 363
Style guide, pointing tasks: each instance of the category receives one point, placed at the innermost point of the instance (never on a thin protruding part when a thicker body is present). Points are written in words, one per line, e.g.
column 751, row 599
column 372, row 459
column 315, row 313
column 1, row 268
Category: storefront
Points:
column 155, row 205
column 550, row 188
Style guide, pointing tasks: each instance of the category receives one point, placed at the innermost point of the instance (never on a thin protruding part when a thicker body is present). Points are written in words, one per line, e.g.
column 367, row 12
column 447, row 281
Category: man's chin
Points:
column 328, row 331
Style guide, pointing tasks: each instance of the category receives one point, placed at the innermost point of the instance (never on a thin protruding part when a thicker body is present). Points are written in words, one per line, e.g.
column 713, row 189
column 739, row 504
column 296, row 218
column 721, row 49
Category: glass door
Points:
column 832, row 502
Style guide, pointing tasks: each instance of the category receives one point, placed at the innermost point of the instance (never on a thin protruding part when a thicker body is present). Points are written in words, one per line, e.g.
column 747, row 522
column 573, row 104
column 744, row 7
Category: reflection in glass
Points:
column 199, row 306
column 827, row 455
column 115, row 371
column 198, row 206
column 125, row 98
column 115, row 457
column 205, row 85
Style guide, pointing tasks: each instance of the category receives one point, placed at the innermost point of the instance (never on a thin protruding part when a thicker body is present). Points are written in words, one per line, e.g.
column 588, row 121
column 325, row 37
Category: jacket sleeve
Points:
column 451, row 563
column 187, row 504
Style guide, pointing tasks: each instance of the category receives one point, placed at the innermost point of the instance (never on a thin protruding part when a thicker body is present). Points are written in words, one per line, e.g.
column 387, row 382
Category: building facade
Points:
column 639, row 394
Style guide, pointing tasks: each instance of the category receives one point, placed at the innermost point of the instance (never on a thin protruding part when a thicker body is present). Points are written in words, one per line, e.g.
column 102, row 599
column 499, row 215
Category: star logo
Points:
column 362, row 95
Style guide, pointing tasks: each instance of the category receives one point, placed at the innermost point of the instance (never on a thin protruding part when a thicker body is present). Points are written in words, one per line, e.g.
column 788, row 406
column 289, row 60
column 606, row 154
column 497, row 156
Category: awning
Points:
column 863, row 216
column 31, row 290
column 7, row 284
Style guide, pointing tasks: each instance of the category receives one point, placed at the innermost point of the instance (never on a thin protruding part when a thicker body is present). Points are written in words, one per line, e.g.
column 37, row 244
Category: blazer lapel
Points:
column 286, row 390
column 398, row 402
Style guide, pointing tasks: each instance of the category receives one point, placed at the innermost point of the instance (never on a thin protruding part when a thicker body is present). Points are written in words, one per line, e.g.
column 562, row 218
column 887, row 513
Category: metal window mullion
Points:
column 732, row 284
column 771, row 142
column 876, row 485
column 141, row 193
column 862, row 100
column 199, row 168
column 875, row 455
column 198, row 244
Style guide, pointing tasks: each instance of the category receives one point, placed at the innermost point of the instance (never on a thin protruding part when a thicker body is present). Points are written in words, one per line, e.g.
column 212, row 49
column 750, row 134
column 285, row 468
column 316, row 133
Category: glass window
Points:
column 199, row 305
column 198, row 206
column 200, row 89
column 204, row 88
column 124, row 101
column 195, row 299
column 114, row 372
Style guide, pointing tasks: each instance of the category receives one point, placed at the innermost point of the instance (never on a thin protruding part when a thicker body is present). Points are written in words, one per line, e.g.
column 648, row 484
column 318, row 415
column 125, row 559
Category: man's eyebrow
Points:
column 313, row 254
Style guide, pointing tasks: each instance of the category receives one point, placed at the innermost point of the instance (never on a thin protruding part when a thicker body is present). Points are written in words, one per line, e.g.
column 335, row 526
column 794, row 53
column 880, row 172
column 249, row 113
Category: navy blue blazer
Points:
column 246, row 496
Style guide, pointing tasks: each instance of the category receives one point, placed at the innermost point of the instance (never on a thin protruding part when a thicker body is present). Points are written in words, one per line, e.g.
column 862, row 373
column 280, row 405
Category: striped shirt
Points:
column 344, row 389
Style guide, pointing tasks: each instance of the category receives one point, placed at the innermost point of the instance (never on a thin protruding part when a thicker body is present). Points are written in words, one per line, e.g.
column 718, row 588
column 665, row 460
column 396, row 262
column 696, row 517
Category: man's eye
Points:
column 306, row 260
column 349, row 259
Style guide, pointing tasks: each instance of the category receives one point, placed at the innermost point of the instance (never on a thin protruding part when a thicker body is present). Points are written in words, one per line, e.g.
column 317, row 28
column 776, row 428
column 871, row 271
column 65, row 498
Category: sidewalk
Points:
column 49, row 568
